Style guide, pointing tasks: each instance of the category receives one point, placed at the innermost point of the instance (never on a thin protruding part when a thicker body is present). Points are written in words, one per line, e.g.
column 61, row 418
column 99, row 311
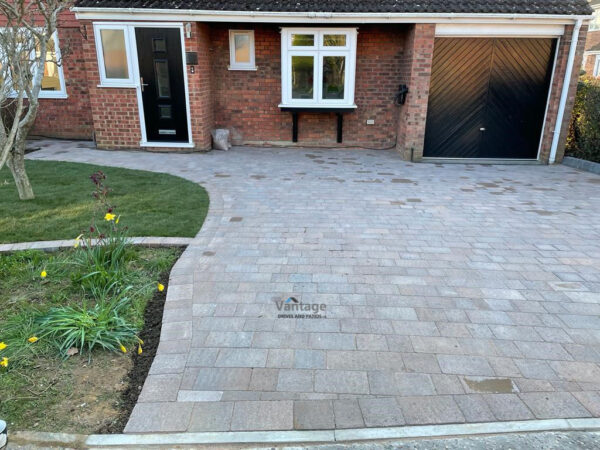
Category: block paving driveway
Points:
column 452, row 293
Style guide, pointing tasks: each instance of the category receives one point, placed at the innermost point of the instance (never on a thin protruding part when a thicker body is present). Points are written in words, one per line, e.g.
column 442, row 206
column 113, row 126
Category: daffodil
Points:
column 44, row 274
column 77, row 241
column 4, row 362
column 109, row 216
column 118, row 218
column 2, row 346
column 160, row 287
column 33, row 339
column 123, row 349
column 139, row 349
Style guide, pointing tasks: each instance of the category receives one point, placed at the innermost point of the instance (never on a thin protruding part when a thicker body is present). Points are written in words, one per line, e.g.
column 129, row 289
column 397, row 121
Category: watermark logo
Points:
column 292, row 308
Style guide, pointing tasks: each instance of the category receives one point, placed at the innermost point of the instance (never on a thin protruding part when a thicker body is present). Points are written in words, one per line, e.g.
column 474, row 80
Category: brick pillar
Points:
column 416, row 73
column 200, row 86
column 557, row 87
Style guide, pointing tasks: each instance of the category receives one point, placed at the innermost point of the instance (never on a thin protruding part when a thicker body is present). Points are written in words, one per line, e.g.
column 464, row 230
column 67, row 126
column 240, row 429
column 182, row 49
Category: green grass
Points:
column 150, row 204
column 40, row 390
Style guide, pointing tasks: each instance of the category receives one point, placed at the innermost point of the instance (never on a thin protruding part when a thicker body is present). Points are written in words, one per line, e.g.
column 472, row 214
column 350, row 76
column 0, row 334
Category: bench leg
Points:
column 340, row 127
column 294, row 127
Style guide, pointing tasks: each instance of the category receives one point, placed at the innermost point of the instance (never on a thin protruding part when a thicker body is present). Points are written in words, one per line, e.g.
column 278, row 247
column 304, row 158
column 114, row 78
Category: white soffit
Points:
column 508, row 30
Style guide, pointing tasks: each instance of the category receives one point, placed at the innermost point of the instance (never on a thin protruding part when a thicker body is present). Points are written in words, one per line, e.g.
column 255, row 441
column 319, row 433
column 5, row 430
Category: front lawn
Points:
column 151, row 204
column 44, row 389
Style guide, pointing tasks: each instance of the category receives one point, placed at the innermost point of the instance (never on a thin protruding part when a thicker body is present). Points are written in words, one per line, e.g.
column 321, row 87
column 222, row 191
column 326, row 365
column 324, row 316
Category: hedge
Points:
column 584, row 132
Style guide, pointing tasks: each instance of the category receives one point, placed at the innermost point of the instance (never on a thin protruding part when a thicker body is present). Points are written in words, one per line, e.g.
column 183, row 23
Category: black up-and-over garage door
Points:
column 488, row 97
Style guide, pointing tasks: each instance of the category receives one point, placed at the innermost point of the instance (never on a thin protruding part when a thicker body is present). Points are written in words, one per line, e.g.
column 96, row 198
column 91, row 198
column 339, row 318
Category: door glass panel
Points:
column 159, row 45
column 165, row 111
column 303, row 40
column 115, row 54
column 242, row 47
column 161, row 70
column 302, row 76
column 334, row 40
column 334, row 74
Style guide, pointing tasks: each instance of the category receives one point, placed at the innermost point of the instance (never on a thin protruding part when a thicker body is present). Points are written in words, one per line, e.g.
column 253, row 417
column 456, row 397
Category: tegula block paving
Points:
column 462, row 271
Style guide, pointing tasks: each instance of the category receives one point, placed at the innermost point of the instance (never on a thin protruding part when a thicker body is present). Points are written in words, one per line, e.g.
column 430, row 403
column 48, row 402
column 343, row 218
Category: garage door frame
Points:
column 548, row 31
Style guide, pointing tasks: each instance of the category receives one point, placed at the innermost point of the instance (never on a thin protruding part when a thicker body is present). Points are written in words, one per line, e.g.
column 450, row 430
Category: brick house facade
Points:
column 248, row 102
column 591, row 57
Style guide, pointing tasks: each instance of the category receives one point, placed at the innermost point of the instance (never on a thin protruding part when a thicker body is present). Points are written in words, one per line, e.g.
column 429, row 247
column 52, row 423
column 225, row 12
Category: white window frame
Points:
column 318, row 51
column 595, row 22
column 128, row 82
column 597, row 65
column 62, row 93
column 233, row 64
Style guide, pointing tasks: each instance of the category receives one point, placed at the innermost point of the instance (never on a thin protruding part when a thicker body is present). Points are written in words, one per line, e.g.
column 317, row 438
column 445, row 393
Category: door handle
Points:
column 142, row 84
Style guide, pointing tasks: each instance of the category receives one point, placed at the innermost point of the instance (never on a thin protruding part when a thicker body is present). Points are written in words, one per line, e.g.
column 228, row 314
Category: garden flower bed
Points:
column 86, row 392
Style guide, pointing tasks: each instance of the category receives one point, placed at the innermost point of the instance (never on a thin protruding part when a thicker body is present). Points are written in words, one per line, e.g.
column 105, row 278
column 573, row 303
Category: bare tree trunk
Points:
column 16, row 164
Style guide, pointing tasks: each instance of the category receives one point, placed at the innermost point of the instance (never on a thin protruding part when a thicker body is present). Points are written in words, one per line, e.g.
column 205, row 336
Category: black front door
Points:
column 162, row 84
column 488, row 97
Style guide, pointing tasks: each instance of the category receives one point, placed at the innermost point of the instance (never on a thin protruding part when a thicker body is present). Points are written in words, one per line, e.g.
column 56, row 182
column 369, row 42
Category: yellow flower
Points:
column 118, row 218
column 77, row 241
column 44, row 274
column 160, row 287
column 139, row 349
column 2, row 345
column 4, row 362
column 33, row 339
column 140, row 341
column 108, row 217
column 123, row 349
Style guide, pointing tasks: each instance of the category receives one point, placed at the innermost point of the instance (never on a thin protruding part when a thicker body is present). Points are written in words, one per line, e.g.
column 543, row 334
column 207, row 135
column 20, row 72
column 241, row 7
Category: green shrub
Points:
column 105, row 325
column 584, row 132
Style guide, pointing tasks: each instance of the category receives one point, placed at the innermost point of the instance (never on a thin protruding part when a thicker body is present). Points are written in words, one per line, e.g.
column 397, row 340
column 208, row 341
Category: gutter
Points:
column 565, row 91
column 269, row 16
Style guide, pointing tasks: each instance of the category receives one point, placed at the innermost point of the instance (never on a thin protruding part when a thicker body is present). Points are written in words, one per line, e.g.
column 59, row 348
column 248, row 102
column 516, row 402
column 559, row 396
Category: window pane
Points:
column 334, row 73
column 161, row 71
column 159, row 45
column 242, row 47
column 303, row 40
column 302, row 77
column 51, row 79
column 115, row 53
column 334, row 40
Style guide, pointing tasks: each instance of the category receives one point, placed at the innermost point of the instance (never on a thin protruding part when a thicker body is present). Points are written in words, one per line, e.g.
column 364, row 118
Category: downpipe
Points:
column 565, row 90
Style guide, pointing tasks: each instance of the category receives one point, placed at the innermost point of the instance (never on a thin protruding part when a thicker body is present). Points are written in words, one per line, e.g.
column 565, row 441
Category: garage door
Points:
column 488, row 97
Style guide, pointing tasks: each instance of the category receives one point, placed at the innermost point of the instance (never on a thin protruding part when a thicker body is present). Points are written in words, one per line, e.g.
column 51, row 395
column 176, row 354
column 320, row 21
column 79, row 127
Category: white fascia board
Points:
column 499, row 29
column 316, row 17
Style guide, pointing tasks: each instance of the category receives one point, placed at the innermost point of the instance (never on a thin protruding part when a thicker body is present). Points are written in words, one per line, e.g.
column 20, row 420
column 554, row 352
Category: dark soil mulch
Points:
column 141, row 363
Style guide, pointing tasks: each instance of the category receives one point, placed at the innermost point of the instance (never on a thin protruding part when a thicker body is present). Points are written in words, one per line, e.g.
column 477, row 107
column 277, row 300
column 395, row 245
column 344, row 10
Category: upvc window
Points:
column 595, row 22
column 318, row 67
column 241, row 50
column 114, row 56
column 597, row 66
column 53, row 79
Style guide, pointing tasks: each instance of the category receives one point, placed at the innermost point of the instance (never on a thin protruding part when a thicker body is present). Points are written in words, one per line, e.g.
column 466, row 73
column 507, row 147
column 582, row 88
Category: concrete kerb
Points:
column 150, row 241
column 582, row 164
column 303, row 437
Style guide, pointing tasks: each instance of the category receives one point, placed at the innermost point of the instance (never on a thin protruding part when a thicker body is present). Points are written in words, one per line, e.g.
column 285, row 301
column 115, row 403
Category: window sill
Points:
column 317, row 107
column 56, row 96
column 255, row 68
column 118, row 86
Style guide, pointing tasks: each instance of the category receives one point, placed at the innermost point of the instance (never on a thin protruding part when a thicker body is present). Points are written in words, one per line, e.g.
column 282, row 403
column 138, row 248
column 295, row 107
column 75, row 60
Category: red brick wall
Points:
column 200, row 86
column 416, row 71
column 593, row 39
column 114, row 110
column 555, row 94
column 246, row 102
column 68, row 118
